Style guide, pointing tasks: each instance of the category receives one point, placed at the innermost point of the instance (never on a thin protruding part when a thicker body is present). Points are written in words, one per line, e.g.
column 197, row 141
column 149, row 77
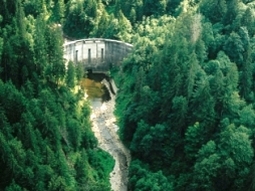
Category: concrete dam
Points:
column 97, row 54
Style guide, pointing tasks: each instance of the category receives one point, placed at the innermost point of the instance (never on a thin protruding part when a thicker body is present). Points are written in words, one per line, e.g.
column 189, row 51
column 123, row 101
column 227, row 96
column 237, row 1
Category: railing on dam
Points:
column 96, row 54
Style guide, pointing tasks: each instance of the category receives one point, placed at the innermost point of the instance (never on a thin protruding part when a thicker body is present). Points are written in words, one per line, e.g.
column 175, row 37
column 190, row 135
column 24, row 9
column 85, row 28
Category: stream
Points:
column 105, row 129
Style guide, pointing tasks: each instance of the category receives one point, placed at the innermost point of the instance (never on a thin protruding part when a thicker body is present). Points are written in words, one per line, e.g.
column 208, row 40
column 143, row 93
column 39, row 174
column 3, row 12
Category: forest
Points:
column 185, row 105
column 46, row 141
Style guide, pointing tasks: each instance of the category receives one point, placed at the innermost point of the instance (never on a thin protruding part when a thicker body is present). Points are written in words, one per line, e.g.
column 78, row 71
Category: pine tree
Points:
column 58, row 11
column 55, row 68
column 70, row 75
column 213, row 10
column 40, row 45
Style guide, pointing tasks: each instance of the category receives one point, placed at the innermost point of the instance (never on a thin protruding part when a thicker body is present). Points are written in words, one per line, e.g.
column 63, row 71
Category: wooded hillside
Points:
column 185, row 103
column 186, row 99
column 46, row 142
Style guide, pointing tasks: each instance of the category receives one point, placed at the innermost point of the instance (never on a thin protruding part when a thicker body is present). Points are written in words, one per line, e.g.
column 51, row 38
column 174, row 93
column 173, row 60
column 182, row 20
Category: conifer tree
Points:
column 70, row 75
column 58, row 11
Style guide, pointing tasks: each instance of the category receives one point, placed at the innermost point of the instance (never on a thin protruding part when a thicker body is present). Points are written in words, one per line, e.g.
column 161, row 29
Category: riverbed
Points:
column 102, row 98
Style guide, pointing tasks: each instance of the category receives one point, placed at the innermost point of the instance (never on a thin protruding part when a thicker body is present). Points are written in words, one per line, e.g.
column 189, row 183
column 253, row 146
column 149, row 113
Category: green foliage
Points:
column 16, row 37
column 233, row 151
column 186, row 98
column 58, row 11
column 185, row 105
column 55, row 68
column 34, row 7
column 151, row 142
column 81, row 18
column 79, row 71
column 141, row 178
column 103, row 164
column 213, row 10
column 154, row 7
column 124, row 28
column 1, row 48
column 45, row 128
column 13, row 187
column 70, row 77
column 193, row 140
column 234, row 48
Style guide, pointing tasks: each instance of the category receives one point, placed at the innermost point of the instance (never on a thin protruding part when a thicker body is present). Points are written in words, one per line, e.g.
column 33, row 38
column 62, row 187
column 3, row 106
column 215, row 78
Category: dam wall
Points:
column 96, row 54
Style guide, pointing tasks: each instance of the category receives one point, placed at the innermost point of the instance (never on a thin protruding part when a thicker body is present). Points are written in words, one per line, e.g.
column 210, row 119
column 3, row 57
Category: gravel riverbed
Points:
column 105, row 129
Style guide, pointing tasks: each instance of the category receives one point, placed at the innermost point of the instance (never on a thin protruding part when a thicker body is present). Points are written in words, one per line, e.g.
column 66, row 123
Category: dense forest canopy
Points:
column 185, row 104
column 186, row 100
column 46, row 142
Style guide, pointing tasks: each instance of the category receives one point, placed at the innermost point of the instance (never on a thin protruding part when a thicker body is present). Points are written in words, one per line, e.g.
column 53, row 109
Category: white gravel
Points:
column 105, row 130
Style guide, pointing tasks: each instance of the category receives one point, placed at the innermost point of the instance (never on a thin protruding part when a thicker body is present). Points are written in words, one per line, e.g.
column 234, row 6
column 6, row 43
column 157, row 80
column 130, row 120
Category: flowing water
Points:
column 98, row 90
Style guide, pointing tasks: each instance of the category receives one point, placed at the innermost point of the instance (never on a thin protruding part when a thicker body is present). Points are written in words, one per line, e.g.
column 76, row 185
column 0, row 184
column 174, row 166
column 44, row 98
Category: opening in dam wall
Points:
column 98, row 55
